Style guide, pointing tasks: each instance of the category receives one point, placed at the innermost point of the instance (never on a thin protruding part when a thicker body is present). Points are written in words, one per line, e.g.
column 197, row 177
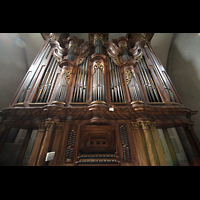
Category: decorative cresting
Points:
column 96, row 65
column 113, row 51
column 58, row 51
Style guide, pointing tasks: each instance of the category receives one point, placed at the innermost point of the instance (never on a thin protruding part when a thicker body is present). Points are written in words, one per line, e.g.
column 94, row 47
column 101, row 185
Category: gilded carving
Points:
column 122, row 46
column 68, row 75
column 127, row 74
column 135, row 125
column 60, row 126
column 145, row 125
column 98, row 37
column 49, row 125
column 42, row 125
column 99, row 65
column 115, row 59
column 138, row 58
column 83, row 58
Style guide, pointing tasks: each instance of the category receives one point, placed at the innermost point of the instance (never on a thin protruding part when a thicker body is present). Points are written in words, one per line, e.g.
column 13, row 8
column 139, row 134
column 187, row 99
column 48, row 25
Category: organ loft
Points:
column 99, row 103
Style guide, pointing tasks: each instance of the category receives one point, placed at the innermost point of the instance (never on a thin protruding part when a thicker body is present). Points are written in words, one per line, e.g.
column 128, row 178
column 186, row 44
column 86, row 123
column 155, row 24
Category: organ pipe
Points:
column 161, row 76
column 80, row 87
column 148, row 82
column 115, row 82
column 31, row 79
column 45, row 86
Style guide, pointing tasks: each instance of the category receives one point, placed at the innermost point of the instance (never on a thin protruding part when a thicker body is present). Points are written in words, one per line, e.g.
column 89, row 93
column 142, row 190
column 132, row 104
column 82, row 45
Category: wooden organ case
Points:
column 100, row 103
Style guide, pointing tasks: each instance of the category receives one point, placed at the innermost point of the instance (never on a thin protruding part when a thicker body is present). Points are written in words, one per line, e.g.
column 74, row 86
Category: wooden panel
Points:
column 166, row 151
column 140, row 145
column 36, row 147
column 158, row 145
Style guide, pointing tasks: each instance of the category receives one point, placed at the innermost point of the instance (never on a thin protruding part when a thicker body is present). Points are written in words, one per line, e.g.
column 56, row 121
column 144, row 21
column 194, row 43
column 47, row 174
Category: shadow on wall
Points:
column 184, row 75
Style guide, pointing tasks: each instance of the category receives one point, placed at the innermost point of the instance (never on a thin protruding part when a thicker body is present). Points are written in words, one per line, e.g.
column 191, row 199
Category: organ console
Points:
column 65, row 96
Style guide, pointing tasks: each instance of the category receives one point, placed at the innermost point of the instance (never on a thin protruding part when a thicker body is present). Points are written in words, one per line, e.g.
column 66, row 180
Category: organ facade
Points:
column 99, row 102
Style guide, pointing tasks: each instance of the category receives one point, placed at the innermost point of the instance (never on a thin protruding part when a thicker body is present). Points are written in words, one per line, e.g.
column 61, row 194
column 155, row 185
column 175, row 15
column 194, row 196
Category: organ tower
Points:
column 99, row 102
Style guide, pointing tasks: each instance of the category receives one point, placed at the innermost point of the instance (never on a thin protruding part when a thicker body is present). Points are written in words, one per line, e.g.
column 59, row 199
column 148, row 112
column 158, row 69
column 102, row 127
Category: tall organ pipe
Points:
column 35, row 72
column 98, row 85
column 45, row 86
column 164, row 81
column 80, row 87
column 148, row 82
column 115, row 82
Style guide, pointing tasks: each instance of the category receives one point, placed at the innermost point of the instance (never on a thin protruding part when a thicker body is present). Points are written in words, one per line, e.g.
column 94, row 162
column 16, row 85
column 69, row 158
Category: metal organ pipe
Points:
column 80, row 87
column 162, row 77
column 148, row 82
column 98, row 81
column 35, row 72
column 115, row 82
column 45, row 86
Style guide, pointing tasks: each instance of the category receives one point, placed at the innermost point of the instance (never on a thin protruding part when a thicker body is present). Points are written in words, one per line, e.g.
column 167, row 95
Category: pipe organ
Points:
column 99, row 102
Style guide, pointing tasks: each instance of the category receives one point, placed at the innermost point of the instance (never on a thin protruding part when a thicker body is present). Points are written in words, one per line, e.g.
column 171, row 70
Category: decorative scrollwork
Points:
column 138, row 58
column 57, row 57
column 99, row 65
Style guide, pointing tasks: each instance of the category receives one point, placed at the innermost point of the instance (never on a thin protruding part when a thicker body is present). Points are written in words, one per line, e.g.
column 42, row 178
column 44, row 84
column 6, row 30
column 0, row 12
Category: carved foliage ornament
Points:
column 115, row 59
column 68, row 75
column 83, row 58
column 97, row 65
column 127, row 74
